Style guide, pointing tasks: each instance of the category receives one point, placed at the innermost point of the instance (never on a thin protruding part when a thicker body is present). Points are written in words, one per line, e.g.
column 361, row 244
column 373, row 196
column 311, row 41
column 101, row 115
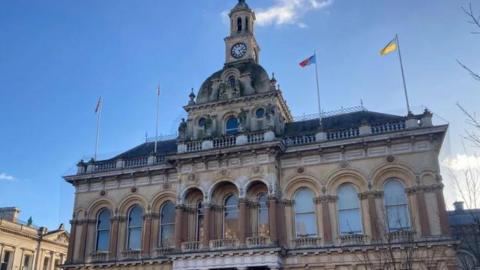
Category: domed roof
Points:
column 240, row 5
column 259, row 81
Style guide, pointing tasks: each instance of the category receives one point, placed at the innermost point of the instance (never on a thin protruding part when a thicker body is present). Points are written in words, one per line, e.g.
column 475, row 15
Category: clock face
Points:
column 239, row 50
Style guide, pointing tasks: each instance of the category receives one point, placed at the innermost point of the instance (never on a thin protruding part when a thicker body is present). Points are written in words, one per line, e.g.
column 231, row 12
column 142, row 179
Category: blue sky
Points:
column 58, row 57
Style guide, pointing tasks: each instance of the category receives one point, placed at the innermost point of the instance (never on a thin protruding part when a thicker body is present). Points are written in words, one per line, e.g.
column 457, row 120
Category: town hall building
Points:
column 245, row 186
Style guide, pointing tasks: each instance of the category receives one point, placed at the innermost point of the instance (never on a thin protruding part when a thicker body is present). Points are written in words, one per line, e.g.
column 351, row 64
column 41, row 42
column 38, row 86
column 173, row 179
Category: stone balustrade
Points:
column 306, row 241
column 258, row 241
column 191, row 246
column 223, row 243
column 353, row 239
column 99, row 256
column 132, row 254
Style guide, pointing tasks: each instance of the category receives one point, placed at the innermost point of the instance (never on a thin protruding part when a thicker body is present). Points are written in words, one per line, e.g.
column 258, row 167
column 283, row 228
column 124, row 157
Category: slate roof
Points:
column 463, row 217
column 145, row 149
column 338, row 122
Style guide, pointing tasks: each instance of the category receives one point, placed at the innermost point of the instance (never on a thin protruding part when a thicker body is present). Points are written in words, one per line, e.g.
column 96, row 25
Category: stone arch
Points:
column 228, row 188
column 159, row 199
column 387, row 171
column 302, row 181
column 257, row 180
column 254, row 187
column 80, row 213
column 188, row 190
column 342, row 176
column 131, row 200
column 428, row 177
column 100, row 204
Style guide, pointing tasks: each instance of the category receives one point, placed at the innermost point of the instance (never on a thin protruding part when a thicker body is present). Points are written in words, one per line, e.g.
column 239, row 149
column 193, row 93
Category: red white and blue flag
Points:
column 310, row 60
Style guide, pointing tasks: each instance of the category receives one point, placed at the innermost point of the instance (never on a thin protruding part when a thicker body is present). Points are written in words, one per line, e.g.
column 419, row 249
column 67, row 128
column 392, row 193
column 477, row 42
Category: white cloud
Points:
column 462, row 162
column 6, row 177
column 288, row 12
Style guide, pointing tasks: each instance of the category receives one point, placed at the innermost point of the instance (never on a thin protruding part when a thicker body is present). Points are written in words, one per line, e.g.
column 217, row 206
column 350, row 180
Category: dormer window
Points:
column 231, row 127
column 239, row 25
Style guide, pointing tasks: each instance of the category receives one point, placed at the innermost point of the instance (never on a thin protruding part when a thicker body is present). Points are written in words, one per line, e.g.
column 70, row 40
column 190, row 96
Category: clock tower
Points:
column 241, row 44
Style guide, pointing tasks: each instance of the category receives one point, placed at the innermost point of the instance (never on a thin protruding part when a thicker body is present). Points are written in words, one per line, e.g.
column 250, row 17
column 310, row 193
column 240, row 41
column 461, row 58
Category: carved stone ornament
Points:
column 256, row 169
column 300, row 170
column 343, row 164
column 166, row 186
column 390, row 158
column 103, row 192
column 191, row 177
column 133, row 189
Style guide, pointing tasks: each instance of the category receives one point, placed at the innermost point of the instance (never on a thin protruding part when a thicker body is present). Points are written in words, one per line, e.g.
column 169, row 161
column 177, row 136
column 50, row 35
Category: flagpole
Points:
column 156, row 121
column 318, row 89
column 99, row 111
column 403, row 74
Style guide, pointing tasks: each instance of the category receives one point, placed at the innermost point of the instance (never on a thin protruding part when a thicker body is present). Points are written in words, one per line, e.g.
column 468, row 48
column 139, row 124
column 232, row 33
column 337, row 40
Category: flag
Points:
column 99, row 104
column 310, row 60
column 158, row 90
column 391, row 47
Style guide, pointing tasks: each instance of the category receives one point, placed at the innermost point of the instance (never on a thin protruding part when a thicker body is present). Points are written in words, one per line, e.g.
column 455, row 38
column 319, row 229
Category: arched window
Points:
column 231, row 81
column 396, row 205
column 167, row 224
column 134, row 229
column 199, row 232
column 305, row 219
column 232, row 126
column 262, row 215
column 349, row 218
column 230, row 217
column 239, row 24
column 103, row 230
column 247, row 25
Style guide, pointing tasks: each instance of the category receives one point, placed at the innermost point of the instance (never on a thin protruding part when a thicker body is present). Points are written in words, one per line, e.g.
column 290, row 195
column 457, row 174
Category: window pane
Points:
column 168, row 213
column 231, row 217
column 350, row 221
column 305, row 225
column 397, row 217
column 262, row 215
column 167, row 232
column 135, row 218
column 394, row 193
column 135, row 239
column 232, row 125
column 102, row 240
column 348, row 197
column 304, row 201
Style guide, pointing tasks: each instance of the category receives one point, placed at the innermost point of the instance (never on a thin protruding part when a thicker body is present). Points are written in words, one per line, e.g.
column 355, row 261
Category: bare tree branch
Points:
column 473, row 18
column 473, row 74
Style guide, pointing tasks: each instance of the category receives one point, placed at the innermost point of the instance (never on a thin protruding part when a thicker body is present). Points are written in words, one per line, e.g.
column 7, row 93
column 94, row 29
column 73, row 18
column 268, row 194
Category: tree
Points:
column 473, row 19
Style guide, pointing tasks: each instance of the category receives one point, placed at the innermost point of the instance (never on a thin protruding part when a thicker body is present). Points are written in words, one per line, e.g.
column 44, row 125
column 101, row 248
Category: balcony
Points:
column 353, row 239
column 224, row 244
column 306, row 242
column 258, row 241
column 161, row 251
column 99, row 256
column 191, row 246
column 400, row 236
column 134, row 254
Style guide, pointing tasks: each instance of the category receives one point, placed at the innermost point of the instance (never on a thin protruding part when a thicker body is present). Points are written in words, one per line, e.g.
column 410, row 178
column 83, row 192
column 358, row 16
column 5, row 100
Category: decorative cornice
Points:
column 423, row 188
column 326, row 198
column 371, row 193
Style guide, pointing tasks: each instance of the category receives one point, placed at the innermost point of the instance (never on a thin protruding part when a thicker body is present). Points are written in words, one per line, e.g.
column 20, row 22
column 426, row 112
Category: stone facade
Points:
column 27, row 247
column 254, row 189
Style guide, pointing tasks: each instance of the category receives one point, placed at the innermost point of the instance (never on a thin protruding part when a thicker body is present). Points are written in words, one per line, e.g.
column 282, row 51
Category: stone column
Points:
column 422, row 213
column 327, row 224
column 71, row 242
column 272, row 219
column 442, row 210
column 207, row 224
column 179, row 221
column 113, row 237
column 372, row 212
column 242, row 230
column 146, row 236
column 83, row 240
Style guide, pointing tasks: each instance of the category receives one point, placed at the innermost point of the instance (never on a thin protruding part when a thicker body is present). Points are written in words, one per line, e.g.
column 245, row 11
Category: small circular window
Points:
column 260, row 113
column 201, row 122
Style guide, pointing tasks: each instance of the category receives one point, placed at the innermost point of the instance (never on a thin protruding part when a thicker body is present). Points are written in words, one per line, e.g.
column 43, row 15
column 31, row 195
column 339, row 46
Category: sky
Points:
column 58, row 57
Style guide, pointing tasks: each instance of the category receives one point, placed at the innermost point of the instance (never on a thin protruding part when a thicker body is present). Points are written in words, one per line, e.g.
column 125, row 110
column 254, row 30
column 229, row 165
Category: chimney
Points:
column 458, row 206
column 9, row 213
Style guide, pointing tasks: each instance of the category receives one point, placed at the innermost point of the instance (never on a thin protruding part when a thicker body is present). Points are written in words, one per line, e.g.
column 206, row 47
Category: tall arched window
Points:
column 247, row 25
column 232, row 126
column 305, row 219
column 231, row 81
column 239, row 24
column 349, row 218
column 134, row 228
column 396, row 205
column 199, row 232
column 103, row 230
column 167, row 224
column 262, row 215
column 230, row 217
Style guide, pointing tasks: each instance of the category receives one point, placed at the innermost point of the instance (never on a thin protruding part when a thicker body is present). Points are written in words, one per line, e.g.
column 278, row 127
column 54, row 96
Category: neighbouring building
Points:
column 465, row 227
column 246, row 186
column 23, row 246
